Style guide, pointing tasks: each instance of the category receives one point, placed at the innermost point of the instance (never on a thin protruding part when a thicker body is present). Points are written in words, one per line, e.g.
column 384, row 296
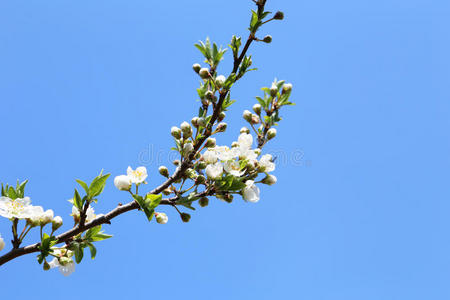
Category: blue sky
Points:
column 361, row 209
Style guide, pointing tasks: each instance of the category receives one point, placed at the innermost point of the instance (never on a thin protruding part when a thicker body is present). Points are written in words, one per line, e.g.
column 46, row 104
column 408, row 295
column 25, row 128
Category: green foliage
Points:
column 14, row 193
column 45, row 247
column 213, row 55
column 229, row 183
column 187, row 201
column 148, row 204
column 94, row 234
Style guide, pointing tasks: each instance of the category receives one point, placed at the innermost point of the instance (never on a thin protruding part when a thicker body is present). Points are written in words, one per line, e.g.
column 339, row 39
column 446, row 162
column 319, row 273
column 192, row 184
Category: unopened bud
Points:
column 220, row 81
column 46, row 266
column 247, row 115
column 163, row 171
column 176, row 162
column 201, row 122
column 200, row 179
column 196, row 67
column 187, row 149
column 273, row 90
column 228, row 198
column 194, row 121
column 167, row 191
column 185, row 217
column 221, row 116
column 47, row 217
column 222, row 127
column 234, row 144
column 204, row 73
column 255, row 119
column 271, row 133
column 267, row 39
column 176, row 132
column 269, row 180
column 257, row 108
column 185, row 127
column 161, row 218
column 279, row 15
column 201, row 165
column 257, row 151
column 287, row 87
column 56, row 223
column 209, row 95
column 203, row 202
column 245, row 129
column 190, row 173
column 122, row 182
column 210, row 142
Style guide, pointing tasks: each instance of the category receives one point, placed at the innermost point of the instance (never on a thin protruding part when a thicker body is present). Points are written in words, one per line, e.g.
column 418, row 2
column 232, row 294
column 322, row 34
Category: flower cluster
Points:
column 138, row 176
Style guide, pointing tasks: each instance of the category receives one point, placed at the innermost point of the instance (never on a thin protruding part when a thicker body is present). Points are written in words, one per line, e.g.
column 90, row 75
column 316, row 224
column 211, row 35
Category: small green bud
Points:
column 176, row 132
column 267, row 39
column 196, row 67
column 257, row 108
column 273, row 90
column 200, row 179
column 163, row 171
column 204, row 73
column 222, row 127
column 287, row 87
column 185, row 217
column 56, row 223
column 222, row 116
column 228, row 198
column 176, row 162
column 245, row 129
column 161, row 218
column 220, row 81
column 269, row 180
column 234, row 144
column 194, row 121
column 271, row 133
column 247, row 115
column 201, row 165
column 209, row 95
column 46, row 266
column 279, row 15
column 210, row 142
column 203, row 202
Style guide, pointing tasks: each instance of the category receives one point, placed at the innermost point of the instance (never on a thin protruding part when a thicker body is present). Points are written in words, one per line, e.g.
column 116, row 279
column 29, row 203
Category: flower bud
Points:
column 200, row 179
column 122, row 182
column 257, row 151
column 201, row 122
column 163, row 171
column 190, row 173
column 220, row 81
column 271, row 133
column 194, row 121
column 185, row 127
column 257, row 108
column 46, row 266
column 161, row 218
column 210, row 142
column 176, row 162
column 204, row 73
column 267, row 39
column 269, row 180
column 247, row 115
column 47, row 217
column 2, row 243
column 201, row 165
column 167, row 191
column 255, row 119
column 228, row 198
column 234, row 144
column 279, row 15
column 185, row 217
column 205, row 102
column 209, row 95
column 203, row 202
column 221, row 116
column 196, row 67
column 56, row 223
column 222, row 127
column 273, row 90
column 187, row 149
column 245, row 129
column 287, row 87
column 176, row 132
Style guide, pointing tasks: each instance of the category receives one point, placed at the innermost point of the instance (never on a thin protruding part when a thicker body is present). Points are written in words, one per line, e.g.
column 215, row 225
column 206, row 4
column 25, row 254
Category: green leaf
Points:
column 83, row 185
column 148, row 203
column 93, row 250
column 79, row 252
column 100, row 237
column 93, row 231
column 229, row 183
column 77, row 200
column 97, row 185
column 12, row 193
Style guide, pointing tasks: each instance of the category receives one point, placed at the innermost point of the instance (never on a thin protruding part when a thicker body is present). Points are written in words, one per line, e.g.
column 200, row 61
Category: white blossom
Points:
column 250, row 192
column 210, row 157
column 19, row 208
column 214, row 171
column 245, row 140
column 63, row 262
column 137, row 176
column 224, row 153
column 47, row 217
column 122, row 182
column 161, row 218
column 2, row 243
column 233, row 167
column 269, row 180
column 266, row 163
column 90, row 214
column 220, row 81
